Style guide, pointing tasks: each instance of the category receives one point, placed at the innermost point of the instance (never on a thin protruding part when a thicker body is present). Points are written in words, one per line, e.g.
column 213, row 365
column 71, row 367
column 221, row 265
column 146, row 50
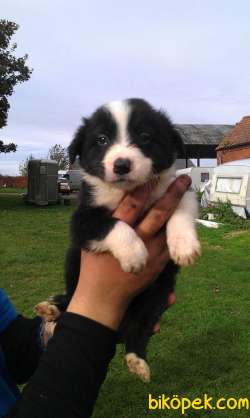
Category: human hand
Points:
column 104, row 290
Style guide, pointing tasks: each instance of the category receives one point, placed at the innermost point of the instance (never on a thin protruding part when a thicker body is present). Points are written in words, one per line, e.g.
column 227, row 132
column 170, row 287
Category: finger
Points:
column 157, row 263
column 163, row 258
column 132, row 205
column 164, row 207
column 157, row 328
column 157, row 244
column 171, row 299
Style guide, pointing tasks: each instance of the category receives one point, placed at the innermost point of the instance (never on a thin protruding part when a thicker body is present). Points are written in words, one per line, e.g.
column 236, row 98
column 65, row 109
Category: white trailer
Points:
column 199, row 175
column 231, row 182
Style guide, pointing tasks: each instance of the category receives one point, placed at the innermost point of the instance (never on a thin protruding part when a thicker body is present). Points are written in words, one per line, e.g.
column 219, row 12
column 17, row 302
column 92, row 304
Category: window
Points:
column 204, row 177
column 228, row 185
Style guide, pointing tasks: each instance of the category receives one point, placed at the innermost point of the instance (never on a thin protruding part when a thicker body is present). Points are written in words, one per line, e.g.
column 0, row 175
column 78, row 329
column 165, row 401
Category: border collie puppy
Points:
column 125, row 144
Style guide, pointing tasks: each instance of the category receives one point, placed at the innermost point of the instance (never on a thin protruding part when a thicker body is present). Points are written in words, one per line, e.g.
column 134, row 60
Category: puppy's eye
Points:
column 145, row 136
column 102, row 140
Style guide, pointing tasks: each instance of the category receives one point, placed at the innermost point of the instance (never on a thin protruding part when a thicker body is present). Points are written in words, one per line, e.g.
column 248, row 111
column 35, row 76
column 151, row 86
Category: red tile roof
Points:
column 239, row 135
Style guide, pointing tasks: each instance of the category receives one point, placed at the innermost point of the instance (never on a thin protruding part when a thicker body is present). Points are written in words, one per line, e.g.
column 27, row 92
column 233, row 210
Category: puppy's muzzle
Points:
column 122, row 166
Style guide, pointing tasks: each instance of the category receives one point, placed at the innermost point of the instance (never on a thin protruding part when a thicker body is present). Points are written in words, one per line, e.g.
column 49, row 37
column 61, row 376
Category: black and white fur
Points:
column 123, row 145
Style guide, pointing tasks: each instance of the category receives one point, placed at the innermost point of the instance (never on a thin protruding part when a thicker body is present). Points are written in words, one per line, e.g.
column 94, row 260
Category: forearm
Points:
column 70, row 372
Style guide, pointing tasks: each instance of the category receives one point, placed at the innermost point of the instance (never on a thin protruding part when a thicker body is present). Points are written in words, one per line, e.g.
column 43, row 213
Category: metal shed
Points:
column 42, row 182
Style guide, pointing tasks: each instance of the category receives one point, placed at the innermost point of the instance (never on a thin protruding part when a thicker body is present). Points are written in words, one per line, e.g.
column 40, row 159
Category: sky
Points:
column 188, row 57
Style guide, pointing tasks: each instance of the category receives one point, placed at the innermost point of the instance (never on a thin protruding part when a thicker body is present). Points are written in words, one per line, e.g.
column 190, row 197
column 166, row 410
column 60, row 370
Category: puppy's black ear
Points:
column 173, row 134
column 75, row 148
column 179, row 144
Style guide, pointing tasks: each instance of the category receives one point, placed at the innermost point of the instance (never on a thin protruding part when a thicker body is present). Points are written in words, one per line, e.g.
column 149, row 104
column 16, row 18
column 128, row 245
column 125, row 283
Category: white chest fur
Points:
column 164, row 180
column 105, row 194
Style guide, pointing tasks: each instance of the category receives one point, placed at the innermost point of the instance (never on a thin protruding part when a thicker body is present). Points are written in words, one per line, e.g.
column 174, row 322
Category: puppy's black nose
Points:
column 122, row 166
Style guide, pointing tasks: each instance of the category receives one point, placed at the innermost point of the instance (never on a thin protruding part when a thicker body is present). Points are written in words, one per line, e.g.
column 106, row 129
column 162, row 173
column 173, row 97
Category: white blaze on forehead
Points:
column 141, row 166
column 120, row 111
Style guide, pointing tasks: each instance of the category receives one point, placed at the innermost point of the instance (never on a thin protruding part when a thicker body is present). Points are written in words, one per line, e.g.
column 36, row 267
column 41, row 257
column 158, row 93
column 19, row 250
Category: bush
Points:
column 224, row 213
column 198, row 195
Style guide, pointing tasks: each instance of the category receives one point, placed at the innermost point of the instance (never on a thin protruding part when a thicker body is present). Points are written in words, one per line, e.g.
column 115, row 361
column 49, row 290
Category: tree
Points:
column 7, row 147
column 13, row 71
column 23, row 166
column 60, row 154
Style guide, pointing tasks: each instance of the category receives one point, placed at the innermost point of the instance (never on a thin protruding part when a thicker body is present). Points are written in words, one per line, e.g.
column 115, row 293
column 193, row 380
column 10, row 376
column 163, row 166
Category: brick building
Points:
column 236, row 143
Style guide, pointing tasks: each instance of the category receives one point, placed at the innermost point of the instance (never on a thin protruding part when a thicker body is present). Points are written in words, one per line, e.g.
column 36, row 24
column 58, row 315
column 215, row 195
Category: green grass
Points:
column 32, row 245
column 18, row 190
column 204, row 344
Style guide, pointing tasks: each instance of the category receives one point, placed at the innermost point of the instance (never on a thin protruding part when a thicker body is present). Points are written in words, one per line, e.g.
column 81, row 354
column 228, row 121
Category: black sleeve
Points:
column 21, row 346
column 70, row 372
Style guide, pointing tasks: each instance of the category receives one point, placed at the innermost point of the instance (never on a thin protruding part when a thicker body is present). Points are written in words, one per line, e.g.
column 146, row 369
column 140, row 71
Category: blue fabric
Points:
column 7, row 311
column 8, row 389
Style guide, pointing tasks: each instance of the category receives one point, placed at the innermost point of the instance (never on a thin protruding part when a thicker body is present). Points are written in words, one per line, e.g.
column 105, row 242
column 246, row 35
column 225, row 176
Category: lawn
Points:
column 204, row 344
column 18, row 190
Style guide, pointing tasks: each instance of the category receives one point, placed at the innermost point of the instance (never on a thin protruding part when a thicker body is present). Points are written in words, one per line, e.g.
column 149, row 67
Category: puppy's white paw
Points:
column 184, row 248
column 48, row 331
column 125, row 245
column 47, row 311
column 133, row 259
column 138, row 366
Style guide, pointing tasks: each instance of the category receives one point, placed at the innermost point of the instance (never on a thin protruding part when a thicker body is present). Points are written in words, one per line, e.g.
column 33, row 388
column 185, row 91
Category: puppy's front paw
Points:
column 184, row 249
column 133, row 259
column 125, row 245
column 138, row 366
column 47, row 311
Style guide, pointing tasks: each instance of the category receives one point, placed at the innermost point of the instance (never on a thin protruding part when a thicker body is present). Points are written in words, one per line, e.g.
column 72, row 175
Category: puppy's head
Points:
column 125, row 143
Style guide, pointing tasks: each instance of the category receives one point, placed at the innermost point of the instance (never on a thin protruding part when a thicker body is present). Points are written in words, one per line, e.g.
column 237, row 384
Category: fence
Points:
column 11, row 181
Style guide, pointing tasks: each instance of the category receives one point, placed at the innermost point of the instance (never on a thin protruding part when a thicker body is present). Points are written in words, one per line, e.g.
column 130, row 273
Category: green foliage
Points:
column 7, row 147
column 60, row 154
column 13, row 71
column 23, row 166
column 198, row 195
column 224, row 213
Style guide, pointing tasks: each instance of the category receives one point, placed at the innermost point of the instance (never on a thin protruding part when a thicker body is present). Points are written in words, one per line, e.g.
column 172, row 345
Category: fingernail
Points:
column 186, row 180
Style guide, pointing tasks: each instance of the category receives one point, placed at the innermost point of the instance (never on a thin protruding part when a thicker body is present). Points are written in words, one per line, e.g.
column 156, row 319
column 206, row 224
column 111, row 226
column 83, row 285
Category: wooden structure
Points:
column 200, row 141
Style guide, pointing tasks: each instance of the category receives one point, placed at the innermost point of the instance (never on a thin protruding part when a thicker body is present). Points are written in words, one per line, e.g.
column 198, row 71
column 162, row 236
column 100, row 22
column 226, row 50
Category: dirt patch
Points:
column 216, row 247
column 235, row 234
column 211, row 246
